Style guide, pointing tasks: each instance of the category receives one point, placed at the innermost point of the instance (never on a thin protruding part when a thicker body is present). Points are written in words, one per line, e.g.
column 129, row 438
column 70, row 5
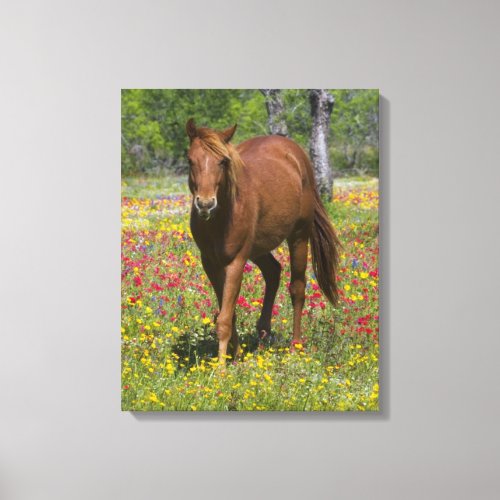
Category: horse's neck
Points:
column 226, row 208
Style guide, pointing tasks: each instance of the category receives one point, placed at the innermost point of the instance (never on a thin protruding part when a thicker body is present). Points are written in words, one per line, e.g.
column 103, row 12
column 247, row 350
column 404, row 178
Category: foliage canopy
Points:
column 154, row 138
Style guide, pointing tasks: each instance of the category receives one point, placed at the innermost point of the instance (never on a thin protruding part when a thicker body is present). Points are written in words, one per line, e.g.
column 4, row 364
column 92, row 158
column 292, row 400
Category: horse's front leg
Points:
column 225, row 322
column 215, row 273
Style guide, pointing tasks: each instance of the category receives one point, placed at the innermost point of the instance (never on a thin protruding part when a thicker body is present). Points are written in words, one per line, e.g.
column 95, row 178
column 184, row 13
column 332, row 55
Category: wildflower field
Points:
column 169, row 345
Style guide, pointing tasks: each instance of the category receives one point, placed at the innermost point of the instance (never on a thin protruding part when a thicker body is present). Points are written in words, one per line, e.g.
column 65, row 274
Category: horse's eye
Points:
column 223, row 162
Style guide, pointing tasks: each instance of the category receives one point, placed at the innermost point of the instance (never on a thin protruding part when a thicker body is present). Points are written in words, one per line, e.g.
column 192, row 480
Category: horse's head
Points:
column 210, row 160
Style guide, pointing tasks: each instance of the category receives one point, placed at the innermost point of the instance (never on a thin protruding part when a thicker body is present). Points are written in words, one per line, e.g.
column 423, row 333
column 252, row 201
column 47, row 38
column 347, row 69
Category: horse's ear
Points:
column 191, row 129
column 226, row 135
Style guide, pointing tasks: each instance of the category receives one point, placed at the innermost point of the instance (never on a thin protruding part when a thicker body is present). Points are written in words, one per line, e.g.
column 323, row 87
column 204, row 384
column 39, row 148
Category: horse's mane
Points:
column 211, row 141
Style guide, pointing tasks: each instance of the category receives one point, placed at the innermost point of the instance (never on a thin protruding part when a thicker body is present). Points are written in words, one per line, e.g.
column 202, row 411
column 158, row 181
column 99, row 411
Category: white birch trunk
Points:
column 275, row 112
column 321, row 110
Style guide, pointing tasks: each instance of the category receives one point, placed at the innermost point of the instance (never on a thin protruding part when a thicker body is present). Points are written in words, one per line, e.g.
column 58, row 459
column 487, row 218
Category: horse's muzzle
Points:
column 205, row 207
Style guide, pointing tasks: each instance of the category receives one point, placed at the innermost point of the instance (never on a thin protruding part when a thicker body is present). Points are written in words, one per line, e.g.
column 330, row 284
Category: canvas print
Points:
column 250, row 250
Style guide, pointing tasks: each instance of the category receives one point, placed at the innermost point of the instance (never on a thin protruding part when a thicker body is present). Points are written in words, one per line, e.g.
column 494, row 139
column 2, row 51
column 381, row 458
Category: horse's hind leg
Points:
column 298, row 264
column 271, row 270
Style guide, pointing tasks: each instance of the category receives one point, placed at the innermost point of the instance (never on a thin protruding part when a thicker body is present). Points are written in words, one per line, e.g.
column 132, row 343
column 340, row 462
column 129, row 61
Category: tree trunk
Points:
column 275, row 111
column 321, row 110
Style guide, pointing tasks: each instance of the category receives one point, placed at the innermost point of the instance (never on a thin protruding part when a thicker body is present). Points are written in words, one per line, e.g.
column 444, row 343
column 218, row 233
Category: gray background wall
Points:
column 62, row 434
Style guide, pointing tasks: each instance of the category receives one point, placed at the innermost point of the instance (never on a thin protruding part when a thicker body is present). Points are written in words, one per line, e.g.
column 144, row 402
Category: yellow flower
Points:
column 347, row 287
column 206, row 321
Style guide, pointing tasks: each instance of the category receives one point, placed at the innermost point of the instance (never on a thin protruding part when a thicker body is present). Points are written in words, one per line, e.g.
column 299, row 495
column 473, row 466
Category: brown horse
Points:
column 247, row 200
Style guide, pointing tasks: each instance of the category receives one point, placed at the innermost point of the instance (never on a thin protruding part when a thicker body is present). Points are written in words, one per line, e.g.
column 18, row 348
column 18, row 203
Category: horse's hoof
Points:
column 266, row 338
column 263, row 334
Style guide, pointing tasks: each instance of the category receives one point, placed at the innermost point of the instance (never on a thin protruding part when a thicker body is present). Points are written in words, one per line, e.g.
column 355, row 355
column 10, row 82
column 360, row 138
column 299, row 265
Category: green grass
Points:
column 168, row 338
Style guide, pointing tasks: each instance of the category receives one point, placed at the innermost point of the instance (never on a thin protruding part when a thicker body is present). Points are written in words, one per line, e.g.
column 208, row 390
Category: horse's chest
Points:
column 213, row 244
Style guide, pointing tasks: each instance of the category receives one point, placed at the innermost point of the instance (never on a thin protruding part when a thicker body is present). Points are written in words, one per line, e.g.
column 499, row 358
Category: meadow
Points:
column 169, row 344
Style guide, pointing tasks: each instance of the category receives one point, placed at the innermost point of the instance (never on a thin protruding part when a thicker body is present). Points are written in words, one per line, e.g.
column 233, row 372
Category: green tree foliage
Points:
column 153, row 123
column 154, row 138
column 354, row 127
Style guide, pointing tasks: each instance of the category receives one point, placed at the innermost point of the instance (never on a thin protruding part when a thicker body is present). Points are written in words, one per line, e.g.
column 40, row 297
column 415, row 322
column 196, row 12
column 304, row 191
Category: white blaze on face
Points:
column 204, row 212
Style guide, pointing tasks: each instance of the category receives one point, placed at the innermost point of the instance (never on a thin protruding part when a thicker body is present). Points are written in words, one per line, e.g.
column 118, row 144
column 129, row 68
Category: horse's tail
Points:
column 325, row 247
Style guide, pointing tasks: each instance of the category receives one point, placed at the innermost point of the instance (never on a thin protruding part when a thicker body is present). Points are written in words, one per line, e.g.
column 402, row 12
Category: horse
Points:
column 246, row 200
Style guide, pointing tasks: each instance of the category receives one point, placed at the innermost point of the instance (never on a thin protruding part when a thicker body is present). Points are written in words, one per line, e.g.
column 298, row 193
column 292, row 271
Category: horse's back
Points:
column 280, row 178
column 276, row 159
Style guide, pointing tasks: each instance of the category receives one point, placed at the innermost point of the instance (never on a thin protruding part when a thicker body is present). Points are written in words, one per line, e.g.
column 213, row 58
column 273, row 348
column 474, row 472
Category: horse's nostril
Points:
column 205, row 204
